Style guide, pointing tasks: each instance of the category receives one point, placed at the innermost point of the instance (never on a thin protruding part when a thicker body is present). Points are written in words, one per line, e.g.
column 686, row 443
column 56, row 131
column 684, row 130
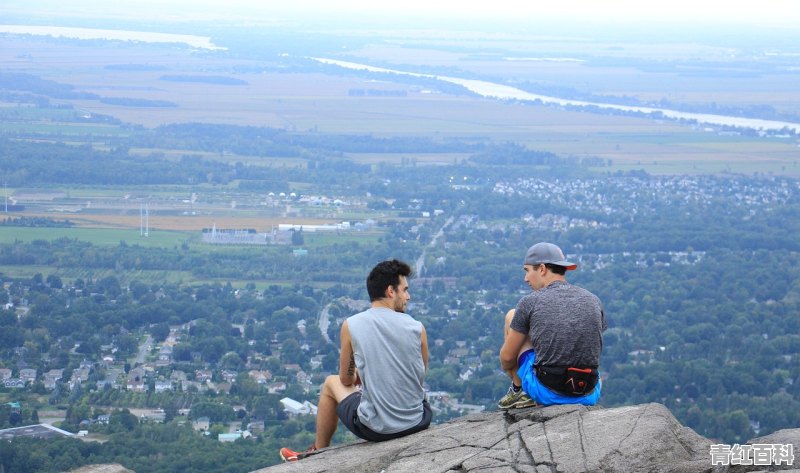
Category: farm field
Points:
column 319, row 102
column 96, row 236
column 174, row 226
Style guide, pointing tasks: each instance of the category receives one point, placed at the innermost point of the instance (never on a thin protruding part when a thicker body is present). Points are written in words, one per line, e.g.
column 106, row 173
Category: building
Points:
column 52, row 377
column 43, row 431
column 292, row 407
column 14, row 383
column 163, row 385
column 136, row 380
column 28, row 375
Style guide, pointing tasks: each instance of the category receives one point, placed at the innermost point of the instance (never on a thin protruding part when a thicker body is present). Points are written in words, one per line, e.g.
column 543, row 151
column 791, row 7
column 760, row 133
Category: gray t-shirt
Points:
column 564, row 323
column 388, row 354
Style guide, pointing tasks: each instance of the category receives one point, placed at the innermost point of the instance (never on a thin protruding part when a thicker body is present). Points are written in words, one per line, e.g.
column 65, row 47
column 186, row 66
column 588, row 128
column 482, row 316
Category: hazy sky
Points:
column 767, row 12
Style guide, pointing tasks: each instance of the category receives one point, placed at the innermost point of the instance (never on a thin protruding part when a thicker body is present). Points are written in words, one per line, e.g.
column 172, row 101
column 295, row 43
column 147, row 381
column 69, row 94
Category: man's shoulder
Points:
column 582, row 289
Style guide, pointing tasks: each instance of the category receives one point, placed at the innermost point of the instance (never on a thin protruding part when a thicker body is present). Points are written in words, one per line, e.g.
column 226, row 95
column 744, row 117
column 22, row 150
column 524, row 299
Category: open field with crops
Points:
column 320, row 103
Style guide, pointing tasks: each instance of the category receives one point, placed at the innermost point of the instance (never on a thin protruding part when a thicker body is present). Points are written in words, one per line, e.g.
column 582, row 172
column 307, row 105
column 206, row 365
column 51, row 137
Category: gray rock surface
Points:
column 782, row 437
column 643, row 438
column 563, row 439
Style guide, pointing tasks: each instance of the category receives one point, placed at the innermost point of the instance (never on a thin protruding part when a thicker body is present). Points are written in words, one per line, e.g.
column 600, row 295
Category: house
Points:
column 165, row 353
column 177, row 376
column 28, row 375
column 202, row 376
column 201, row 423
column 459, row 352
column 157, row 415
column 276, row 388
column 260, row 376
column 79, row 376
column 5, row 374
column 292, row 367
column 466, row 375
column 135, row 380
column 229, row 376
column 112, row 375
column 316, row 361
column 292, row 407
column 15, row 383
column 187, row 385
column 256, row 427
column 229, row 437
column 163, row 385
column 302, row 377
column 52, row 377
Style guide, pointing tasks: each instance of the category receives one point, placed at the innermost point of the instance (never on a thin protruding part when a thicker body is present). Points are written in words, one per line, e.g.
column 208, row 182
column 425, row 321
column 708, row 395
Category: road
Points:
column 144, row 349
column 419, row 267
column 324, row 321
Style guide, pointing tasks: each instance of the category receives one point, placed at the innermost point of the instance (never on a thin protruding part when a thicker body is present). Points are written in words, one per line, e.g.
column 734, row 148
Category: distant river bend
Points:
column 505, row 92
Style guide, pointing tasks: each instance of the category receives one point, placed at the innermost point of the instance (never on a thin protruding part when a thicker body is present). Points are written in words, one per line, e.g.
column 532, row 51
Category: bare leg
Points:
column 333, row 392
column 512, row 373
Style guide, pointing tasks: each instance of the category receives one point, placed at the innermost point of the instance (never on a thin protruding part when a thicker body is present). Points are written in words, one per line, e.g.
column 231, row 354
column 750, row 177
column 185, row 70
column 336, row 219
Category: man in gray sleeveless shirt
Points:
column 378, row 393
column 553, row 338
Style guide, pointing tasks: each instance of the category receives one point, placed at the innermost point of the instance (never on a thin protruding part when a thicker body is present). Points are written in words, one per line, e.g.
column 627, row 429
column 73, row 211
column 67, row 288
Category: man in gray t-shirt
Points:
column 553, row 339
column 378, row 394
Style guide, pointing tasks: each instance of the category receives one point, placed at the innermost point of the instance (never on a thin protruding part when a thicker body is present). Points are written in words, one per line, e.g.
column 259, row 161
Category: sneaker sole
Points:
column 519, row 405
column 299, row 456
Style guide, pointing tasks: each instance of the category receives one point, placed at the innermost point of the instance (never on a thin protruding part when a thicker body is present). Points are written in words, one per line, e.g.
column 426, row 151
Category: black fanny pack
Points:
column 570, row 381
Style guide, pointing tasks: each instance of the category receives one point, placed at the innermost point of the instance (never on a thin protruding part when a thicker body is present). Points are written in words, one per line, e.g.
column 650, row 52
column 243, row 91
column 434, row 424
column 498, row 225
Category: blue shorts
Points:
column 542, row 394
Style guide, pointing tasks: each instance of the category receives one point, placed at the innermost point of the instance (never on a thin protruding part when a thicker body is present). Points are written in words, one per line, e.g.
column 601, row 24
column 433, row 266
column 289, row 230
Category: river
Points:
column 505, row 92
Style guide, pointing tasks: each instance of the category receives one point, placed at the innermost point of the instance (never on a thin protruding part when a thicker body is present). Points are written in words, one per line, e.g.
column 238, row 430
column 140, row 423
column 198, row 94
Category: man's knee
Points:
column 331, row 381
column 334, row 388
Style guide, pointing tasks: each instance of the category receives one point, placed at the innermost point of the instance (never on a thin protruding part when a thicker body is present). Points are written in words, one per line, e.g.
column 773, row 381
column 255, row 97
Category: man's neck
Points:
column 554, row 279
column 382, row 304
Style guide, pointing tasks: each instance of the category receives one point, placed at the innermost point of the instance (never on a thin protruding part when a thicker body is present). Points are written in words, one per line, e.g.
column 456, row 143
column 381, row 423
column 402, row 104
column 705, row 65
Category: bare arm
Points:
column 424, row 341
column 510, row 349
column 347, row 360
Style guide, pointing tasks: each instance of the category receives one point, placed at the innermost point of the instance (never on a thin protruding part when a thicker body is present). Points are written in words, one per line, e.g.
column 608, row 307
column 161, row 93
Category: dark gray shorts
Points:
column 347, row 410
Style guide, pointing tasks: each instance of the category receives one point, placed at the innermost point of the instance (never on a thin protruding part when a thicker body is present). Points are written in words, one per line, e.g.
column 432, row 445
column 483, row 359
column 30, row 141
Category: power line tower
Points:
column 144, row 219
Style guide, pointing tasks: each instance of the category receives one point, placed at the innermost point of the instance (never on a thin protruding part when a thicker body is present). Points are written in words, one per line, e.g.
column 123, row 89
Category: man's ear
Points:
column 389, row 292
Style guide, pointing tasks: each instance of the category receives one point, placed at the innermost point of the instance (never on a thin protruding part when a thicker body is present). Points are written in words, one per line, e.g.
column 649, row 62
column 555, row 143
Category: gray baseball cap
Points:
column 547, row 253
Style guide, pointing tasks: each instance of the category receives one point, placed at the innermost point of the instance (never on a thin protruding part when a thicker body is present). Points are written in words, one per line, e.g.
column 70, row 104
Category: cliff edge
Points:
column 563, row 439
column 642, row 438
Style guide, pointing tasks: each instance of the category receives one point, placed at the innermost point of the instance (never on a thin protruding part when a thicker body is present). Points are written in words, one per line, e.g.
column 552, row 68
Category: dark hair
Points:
column 554, row 268
column 385, row 274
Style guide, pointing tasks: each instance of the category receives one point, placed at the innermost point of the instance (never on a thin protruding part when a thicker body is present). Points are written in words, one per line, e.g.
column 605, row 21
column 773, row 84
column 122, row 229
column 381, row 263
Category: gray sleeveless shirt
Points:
column 388, row 356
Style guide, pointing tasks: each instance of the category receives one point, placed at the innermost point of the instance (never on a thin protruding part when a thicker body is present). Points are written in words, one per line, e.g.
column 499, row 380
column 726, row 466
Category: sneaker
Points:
column 292, row 456
column 517, row 399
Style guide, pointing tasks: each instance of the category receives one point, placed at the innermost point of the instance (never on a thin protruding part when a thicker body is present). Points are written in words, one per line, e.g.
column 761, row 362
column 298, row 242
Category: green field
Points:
column 95, row 236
